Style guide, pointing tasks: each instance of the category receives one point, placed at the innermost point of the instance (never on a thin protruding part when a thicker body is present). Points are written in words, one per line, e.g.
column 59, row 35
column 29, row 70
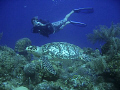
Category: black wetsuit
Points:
column 44, row 30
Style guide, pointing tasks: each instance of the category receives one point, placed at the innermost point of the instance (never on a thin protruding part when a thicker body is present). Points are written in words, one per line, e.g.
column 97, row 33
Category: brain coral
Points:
column 21, row 44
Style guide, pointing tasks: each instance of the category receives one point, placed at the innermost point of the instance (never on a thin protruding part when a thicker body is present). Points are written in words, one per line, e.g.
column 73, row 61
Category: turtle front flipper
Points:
column 48, row 65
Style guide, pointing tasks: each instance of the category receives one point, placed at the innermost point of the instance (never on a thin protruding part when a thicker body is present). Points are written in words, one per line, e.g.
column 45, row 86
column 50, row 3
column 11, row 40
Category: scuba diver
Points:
column 46, row 28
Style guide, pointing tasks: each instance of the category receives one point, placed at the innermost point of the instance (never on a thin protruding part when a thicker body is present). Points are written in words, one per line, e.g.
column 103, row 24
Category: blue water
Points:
column 16, row 15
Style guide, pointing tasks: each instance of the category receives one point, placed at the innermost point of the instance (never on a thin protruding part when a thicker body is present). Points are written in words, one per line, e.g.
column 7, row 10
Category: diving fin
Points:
column 80, row 24
column 84, row 10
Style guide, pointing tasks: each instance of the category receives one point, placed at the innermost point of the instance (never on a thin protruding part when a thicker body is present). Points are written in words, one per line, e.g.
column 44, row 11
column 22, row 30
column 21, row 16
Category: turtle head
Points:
column 35, row 50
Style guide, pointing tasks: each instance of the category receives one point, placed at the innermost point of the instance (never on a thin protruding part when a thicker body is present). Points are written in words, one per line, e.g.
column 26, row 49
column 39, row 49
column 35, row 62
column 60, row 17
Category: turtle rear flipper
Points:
column 48, row 65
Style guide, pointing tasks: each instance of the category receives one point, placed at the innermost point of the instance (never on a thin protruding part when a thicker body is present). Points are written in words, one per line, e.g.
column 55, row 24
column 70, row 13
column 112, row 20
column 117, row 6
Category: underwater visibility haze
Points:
column 74, row 58
column 16, row 15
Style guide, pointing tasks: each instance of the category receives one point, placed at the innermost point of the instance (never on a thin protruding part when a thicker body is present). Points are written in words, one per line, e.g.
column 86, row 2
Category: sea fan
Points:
column 105, row 34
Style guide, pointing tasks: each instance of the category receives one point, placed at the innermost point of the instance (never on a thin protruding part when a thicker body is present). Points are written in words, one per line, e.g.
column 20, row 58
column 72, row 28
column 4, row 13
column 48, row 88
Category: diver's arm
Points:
column 36, row 23
column 41, row 24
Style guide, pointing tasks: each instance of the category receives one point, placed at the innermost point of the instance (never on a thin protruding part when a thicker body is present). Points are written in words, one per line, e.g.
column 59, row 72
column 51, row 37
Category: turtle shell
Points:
column 62, row 50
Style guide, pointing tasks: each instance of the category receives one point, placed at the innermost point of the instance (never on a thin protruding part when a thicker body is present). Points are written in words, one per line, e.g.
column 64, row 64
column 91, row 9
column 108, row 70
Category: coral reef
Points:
column 11, row 65
column 112, row 47
column 111, row 51
column 92, row 71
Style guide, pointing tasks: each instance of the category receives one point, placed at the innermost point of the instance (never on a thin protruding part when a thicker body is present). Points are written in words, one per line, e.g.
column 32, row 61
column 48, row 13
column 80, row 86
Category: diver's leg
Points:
column 80, row 24
column 64, row 22
column 68, row 15
column 82, row 10
column 68, row 22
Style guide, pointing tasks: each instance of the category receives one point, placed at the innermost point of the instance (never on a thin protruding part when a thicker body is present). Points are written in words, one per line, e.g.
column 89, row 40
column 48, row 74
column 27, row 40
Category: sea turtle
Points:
column 55, row 50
